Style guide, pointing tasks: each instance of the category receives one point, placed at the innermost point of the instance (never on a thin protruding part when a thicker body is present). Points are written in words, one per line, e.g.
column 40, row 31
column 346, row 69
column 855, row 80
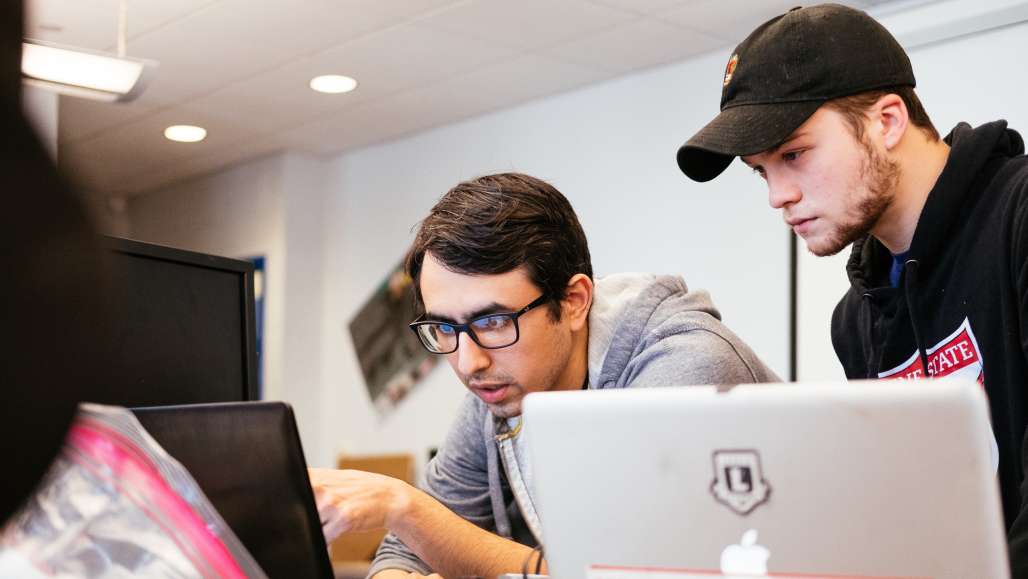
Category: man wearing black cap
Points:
column 820, row 102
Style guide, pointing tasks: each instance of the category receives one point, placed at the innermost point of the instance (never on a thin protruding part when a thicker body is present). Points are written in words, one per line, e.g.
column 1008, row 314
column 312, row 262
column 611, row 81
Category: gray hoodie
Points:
column 644, row 330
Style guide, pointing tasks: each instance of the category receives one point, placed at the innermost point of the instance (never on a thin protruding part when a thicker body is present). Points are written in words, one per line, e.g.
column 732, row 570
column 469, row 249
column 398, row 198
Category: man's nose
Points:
column 781, row 192
column 471, row 357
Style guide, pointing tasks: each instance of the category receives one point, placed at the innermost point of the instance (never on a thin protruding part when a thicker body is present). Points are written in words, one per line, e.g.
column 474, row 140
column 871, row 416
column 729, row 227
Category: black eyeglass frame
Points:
column 466, row 327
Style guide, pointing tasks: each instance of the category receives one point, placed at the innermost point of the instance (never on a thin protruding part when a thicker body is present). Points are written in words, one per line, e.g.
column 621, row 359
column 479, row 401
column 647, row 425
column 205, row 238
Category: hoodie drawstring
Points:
column 910, row 280
column 868, row 342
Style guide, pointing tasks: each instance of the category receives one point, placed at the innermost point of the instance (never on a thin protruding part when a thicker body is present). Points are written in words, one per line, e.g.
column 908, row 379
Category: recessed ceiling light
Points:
column 333, row 83
column 185, row 133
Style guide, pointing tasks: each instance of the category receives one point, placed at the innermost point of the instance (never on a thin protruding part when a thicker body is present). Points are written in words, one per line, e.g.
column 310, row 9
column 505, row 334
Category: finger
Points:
column 323, row 500
column 329, row 514
column 332, row 529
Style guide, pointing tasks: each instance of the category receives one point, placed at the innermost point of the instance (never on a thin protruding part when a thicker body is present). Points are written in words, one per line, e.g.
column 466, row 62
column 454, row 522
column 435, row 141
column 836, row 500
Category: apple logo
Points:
column 746, row 558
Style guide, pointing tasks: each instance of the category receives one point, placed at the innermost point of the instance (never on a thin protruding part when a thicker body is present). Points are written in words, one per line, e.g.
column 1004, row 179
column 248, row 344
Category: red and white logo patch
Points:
column 959, row 356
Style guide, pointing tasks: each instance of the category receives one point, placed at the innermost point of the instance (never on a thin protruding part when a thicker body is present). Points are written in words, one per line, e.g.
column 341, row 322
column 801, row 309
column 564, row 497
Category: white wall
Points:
column 304, row 187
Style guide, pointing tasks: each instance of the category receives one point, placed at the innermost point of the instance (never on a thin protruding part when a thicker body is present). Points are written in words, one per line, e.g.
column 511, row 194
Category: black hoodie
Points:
column 961, row 307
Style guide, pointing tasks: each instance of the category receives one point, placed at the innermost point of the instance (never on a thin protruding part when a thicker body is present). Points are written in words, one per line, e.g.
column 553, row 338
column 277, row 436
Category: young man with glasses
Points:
column 502, row 270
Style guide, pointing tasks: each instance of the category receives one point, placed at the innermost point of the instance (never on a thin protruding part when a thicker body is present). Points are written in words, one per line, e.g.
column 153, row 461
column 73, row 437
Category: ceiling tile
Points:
column 105, row 162
column 504, row 84
column 230, row 41
column 732, row 20
column 652, row 43
column 331, row 22
column 93, row 24
column 527, row 24
column 513, row 82
column 198, row 164
column 367, row 123
column 145, row 16
column 197, row 54
column 89, row 24
column 396, row 59
column 643, row 6
column 241, row 68
column 81, row 118
column 272, row 101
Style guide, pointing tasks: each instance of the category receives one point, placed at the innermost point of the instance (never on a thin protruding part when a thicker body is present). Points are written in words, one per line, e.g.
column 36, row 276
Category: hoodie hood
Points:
column 971, row 151
column 629, row 309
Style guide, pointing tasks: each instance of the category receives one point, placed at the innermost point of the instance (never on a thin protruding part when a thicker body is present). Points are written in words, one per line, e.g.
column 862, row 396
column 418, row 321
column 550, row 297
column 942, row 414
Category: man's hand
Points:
column 353, row 500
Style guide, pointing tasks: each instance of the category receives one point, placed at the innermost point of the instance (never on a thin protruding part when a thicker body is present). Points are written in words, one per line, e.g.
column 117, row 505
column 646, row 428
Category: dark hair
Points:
column 498, row 223
column 854, row 109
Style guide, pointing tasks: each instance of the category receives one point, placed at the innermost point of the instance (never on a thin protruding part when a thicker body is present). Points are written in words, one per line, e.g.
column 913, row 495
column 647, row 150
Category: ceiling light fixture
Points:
column 185, row 133
column 86, row 73
column 333, row 83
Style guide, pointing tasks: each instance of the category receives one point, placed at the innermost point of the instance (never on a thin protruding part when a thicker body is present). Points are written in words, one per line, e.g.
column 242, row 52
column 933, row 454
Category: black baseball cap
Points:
column 783, row 72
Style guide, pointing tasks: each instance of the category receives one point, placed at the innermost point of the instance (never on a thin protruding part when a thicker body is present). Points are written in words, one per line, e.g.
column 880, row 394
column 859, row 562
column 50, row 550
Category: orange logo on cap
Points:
column 730, row 69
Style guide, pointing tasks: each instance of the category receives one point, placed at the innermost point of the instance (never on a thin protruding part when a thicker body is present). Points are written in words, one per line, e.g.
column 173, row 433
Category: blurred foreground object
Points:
column 53, row 285
column 114, row 504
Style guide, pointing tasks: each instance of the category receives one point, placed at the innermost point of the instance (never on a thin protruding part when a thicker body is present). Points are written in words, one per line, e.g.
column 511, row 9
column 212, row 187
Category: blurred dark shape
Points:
column 53, row 277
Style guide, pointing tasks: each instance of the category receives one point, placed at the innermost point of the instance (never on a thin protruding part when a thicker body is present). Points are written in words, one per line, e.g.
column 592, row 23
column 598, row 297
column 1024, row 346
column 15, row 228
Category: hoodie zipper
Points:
column 909, row 281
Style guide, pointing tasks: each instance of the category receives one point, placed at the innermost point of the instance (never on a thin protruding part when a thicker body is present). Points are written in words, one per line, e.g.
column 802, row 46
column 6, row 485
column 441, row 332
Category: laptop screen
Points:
column 248, row 460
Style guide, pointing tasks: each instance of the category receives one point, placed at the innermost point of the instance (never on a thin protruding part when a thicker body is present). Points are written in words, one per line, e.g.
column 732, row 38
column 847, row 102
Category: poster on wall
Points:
column 390, row 355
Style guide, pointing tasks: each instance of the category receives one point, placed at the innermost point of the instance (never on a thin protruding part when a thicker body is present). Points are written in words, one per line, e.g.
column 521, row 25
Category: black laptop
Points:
column 247, row 458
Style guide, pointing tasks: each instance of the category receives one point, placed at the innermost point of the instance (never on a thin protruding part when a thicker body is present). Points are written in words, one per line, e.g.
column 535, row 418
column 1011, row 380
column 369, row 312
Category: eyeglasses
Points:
column 491, row 331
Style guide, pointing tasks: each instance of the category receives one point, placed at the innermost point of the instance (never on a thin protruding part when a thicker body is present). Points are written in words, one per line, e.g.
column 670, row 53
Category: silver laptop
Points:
column 862, row 479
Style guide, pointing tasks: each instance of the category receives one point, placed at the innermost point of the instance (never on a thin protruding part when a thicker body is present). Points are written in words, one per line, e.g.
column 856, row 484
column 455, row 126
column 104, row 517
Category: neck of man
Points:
column 921, row 161
column 575, row 373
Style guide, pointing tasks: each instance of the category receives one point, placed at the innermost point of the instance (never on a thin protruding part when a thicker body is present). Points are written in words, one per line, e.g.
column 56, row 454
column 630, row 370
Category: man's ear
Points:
column 893, row 119
column 577, row 300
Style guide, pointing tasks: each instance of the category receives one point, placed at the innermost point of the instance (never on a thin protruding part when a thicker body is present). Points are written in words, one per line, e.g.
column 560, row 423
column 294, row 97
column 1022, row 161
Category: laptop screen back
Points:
column 845, row 480
column 248, row 460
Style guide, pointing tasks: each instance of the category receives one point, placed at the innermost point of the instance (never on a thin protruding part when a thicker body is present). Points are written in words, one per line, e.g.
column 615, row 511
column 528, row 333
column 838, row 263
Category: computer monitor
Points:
column 181, row 328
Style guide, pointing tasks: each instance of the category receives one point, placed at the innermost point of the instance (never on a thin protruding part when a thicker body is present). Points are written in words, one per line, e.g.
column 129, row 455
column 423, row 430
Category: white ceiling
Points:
column 240, row 68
